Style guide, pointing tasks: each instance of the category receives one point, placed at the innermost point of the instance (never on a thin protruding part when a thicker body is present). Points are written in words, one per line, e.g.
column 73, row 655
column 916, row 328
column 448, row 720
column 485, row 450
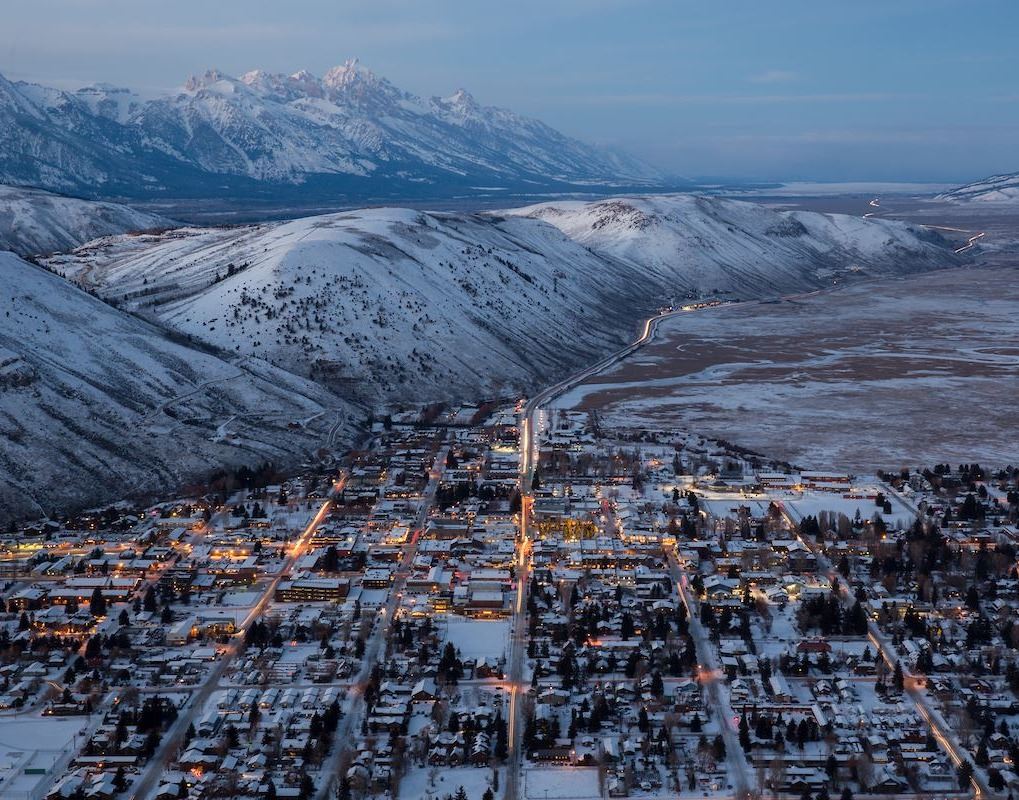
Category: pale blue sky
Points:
column 787, row 89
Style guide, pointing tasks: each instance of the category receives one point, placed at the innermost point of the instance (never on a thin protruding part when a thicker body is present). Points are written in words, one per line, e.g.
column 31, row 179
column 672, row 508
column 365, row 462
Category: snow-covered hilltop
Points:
column 96, row 404
column 707, row 245
column 394, row 304
column 996, row 189
column 33, row 222
column 349, row 132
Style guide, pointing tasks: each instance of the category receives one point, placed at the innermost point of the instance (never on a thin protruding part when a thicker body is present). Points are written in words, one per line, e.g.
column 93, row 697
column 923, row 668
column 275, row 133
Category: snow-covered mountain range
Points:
column 347, row 134
column 996, row 189
column 34, row 222
column 394, row 305
column 96, row 403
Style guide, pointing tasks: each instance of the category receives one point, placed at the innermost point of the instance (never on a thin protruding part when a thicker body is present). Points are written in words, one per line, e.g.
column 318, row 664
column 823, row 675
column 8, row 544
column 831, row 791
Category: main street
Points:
column 529, row 433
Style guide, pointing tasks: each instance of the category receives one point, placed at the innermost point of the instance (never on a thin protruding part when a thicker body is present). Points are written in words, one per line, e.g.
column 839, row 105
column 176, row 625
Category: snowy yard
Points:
column 813, row 503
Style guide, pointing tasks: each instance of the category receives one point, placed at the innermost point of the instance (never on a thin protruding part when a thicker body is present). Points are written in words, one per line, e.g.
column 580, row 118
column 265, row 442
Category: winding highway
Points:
column 971, row 242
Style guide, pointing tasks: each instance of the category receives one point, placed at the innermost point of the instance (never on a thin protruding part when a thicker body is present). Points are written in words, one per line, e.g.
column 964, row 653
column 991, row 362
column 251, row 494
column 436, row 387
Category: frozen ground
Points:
column 883, row 374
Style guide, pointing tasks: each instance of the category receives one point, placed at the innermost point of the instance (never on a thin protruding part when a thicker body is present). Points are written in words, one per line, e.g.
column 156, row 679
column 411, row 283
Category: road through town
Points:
column 175, row 735
column 528, row 445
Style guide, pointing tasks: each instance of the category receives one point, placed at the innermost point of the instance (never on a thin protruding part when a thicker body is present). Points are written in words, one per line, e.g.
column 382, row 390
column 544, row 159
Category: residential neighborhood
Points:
column 480, row 603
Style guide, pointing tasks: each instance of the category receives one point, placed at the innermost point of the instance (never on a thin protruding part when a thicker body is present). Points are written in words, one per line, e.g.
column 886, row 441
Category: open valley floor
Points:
column 884, row 374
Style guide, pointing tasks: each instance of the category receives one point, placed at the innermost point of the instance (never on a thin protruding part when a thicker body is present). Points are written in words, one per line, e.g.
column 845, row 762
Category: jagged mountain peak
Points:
column 307, row 83
column 349, row 71
column 283, row 88
column 462, row 97
column 210, row 78
column 352, row 82
column 461, row 101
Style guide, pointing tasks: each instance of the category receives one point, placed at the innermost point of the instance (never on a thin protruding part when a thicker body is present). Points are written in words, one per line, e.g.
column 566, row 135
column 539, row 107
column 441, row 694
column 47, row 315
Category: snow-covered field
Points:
column 432, row 783
column 841, row 189
column 811, row 504
column 31, row 748
column 563, row 783
column 806, row 503
column 882, row 375
column 477, row 638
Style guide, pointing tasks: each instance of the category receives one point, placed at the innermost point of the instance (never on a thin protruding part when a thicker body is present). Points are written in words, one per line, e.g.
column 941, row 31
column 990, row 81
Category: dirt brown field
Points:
column 877, row 375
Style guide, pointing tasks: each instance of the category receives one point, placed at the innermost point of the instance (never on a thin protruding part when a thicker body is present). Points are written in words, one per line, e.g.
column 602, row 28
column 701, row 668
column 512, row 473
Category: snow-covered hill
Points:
column 1002, row 189
column 34, row 222
column 708, row 245
column 387, row 304
column 350, row 133
column 96, row 404
column 401, row 305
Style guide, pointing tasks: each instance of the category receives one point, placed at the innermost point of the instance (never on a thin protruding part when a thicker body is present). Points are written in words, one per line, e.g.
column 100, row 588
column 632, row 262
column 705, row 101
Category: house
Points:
column 446, row 749
column 424, row 691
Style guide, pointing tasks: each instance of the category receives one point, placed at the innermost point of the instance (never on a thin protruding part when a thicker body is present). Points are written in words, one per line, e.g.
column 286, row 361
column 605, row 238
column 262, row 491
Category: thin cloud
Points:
column 774, row 76
column 666, row 99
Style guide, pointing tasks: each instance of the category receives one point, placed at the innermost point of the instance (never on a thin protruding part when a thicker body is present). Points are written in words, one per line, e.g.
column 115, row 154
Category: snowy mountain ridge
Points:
column 269, row 338
column 714, row 246
column 349, row 132
column 996, row 189
column 34, row 222
column 382, row 305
